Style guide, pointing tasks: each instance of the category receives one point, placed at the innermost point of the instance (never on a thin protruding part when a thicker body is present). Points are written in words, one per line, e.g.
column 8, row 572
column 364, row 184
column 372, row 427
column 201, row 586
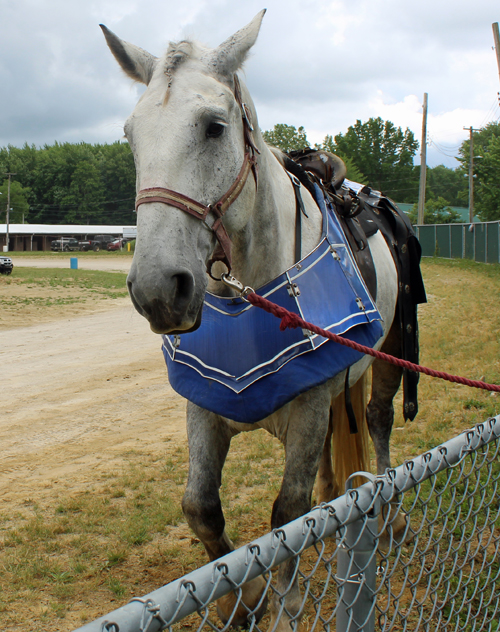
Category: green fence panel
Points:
column 443, row 240
column 480, row 242
column 492, row 239
column 457, row 241
column 427, row 238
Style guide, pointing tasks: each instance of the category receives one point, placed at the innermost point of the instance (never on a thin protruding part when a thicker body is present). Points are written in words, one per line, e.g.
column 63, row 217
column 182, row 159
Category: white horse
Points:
column 192, row 146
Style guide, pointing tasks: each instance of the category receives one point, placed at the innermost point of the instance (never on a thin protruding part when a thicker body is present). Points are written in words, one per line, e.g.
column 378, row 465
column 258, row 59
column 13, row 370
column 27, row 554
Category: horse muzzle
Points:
column 170, row 303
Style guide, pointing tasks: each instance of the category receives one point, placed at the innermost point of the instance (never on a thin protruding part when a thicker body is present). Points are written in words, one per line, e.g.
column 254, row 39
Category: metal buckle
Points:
column 234, row 284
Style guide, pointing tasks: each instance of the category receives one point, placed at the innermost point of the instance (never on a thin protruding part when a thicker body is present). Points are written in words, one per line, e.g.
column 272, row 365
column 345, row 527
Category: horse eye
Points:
column 214, row 130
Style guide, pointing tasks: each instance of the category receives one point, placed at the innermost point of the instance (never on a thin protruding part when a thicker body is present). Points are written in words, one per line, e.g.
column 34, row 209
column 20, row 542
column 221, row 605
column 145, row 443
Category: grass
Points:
column 459, row 334
column 456, row 519
column 120, row 537
column 76, row 557
column 84, row 543
column 93, row 280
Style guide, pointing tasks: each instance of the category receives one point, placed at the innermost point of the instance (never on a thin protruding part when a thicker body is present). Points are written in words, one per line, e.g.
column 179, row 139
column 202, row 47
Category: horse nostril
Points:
column 184, row 286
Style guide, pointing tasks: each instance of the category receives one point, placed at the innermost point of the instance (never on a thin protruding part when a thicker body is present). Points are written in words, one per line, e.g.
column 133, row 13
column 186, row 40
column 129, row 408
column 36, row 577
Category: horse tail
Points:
column 350, row 452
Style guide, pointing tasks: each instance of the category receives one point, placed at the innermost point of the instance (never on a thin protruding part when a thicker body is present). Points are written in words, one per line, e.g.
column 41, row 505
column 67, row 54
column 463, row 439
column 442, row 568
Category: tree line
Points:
column 81, row 183
column 69, row 183
column 379, row 154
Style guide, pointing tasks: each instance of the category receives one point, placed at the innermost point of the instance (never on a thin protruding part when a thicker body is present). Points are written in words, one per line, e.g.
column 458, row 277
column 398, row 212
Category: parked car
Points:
column 117, row 244
column 6, row 265
column 85, row 244
column 65, row 244
column 98, row 242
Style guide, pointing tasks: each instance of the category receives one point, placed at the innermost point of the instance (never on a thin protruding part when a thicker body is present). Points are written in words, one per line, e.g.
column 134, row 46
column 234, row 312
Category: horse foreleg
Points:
column 305, row 438
column 386, row 379
column 209, row 438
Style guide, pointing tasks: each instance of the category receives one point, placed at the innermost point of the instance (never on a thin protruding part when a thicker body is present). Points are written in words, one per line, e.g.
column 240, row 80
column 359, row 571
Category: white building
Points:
column 39, row 236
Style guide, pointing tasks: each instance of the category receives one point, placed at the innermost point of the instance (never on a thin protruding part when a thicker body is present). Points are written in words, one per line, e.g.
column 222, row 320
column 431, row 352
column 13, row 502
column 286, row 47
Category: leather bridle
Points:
column 203, row 211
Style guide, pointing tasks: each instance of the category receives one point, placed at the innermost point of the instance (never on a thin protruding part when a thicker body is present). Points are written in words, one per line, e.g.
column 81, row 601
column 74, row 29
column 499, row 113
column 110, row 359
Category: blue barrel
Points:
column 74, row 263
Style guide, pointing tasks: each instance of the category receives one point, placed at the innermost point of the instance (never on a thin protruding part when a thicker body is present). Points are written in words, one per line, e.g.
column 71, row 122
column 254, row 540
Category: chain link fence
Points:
column 414, row 549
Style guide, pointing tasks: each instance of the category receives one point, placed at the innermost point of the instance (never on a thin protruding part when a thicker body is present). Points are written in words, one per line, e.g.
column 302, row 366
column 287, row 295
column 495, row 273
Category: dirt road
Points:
column 76, row 394
column 63, row 260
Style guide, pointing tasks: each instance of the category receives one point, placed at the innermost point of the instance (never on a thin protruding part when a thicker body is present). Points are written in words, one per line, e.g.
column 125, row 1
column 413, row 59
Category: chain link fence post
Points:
column 357, row 567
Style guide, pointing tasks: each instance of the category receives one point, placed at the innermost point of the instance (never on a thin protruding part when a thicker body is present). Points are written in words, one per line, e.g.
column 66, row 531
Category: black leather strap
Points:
column 299, row 210
column 351, row 416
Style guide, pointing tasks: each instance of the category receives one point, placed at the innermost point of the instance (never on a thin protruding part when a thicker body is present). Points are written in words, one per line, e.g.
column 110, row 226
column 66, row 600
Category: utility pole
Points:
column 8, row 210
column 496, row 38
column 471, row 173
column 423, row 166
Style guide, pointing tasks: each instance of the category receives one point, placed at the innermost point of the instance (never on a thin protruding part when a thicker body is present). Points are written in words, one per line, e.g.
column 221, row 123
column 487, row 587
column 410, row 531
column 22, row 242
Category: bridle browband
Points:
column 201, row 211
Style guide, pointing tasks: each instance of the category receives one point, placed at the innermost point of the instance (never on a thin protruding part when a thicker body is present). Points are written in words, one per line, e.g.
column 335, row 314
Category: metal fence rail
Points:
column 414, row 549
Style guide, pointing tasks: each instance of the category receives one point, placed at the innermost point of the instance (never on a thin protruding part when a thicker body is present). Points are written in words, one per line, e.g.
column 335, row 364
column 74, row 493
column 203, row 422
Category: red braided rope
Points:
column 292, row 321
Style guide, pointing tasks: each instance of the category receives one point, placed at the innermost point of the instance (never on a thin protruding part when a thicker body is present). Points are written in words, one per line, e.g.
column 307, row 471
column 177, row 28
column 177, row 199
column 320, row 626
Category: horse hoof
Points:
column 284, row 624
column 247, row 609
column 399, row 532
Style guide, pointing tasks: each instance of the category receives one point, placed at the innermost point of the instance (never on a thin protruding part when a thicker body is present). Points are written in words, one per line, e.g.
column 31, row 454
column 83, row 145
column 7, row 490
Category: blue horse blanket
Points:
column 239, row 364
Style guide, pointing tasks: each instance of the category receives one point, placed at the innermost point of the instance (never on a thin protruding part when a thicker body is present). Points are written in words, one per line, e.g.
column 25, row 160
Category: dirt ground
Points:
column 80, row 386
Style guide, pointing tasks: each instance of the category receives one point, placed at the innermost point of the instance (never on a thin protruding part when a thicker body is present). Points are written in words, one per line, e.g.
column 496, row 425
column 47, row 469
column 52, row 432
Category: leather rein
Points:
column 202, row 211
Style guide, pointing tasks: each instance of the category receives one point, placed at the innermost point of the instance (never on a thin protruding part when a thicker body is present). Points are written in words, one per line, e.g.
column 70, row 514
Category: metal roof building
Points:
column 38, row 236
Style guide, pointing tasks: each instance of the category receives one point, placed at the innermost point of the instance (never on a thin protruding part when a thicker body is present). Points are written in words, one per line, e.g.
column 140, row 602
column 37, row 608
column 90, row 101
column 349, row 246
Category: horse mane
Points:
column 180, row 52
column 177, row 53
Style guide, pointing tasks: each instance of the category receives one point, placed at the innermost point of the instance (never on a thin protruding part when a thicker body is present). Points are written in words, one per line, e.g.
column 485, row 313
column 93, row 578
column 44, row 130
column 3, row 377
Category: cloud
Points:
column 321, row 64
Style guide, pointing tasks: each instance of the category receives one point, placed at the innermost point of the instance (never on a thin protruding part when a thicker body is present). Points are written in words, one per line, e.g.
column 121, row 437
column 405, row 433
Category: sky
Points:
column 320, row 64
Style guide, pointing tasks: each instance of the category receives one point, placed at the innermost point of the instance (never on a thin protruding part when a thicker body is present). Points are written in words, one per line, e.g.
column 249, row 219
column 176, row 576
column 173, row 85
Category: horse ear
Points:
column 136, row 62
column 230, row 55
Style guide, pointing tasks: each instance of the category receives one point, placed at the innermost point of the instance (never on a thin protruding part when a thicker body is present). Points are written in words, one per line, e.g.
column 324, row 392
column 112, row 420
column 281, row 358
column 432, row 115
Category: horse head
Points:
column 191, row 148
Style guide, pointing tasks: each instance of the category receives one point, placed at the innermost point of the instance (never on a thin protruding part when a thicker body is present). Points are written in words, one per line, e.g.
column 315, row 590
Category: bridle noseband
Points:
column 217, row 210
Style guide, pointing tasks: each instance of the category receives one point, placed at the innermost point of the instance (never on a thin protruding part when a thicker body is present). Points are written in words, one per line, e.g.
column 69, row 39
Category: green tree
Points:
column 486, row 145
column 18, row 202
column 83, row 199
column 353, row 173
column 286, row 137
column 74, row 183
column 118, row 174
column 449, row 184
column 436, row 212
column 384, row 154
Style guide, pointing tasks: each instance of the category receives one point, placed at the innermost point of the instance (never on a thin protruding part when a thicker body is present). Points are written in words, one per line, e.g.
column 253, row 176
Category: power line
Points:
column 445, row 146
column 490, row 113
column 442, row 151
